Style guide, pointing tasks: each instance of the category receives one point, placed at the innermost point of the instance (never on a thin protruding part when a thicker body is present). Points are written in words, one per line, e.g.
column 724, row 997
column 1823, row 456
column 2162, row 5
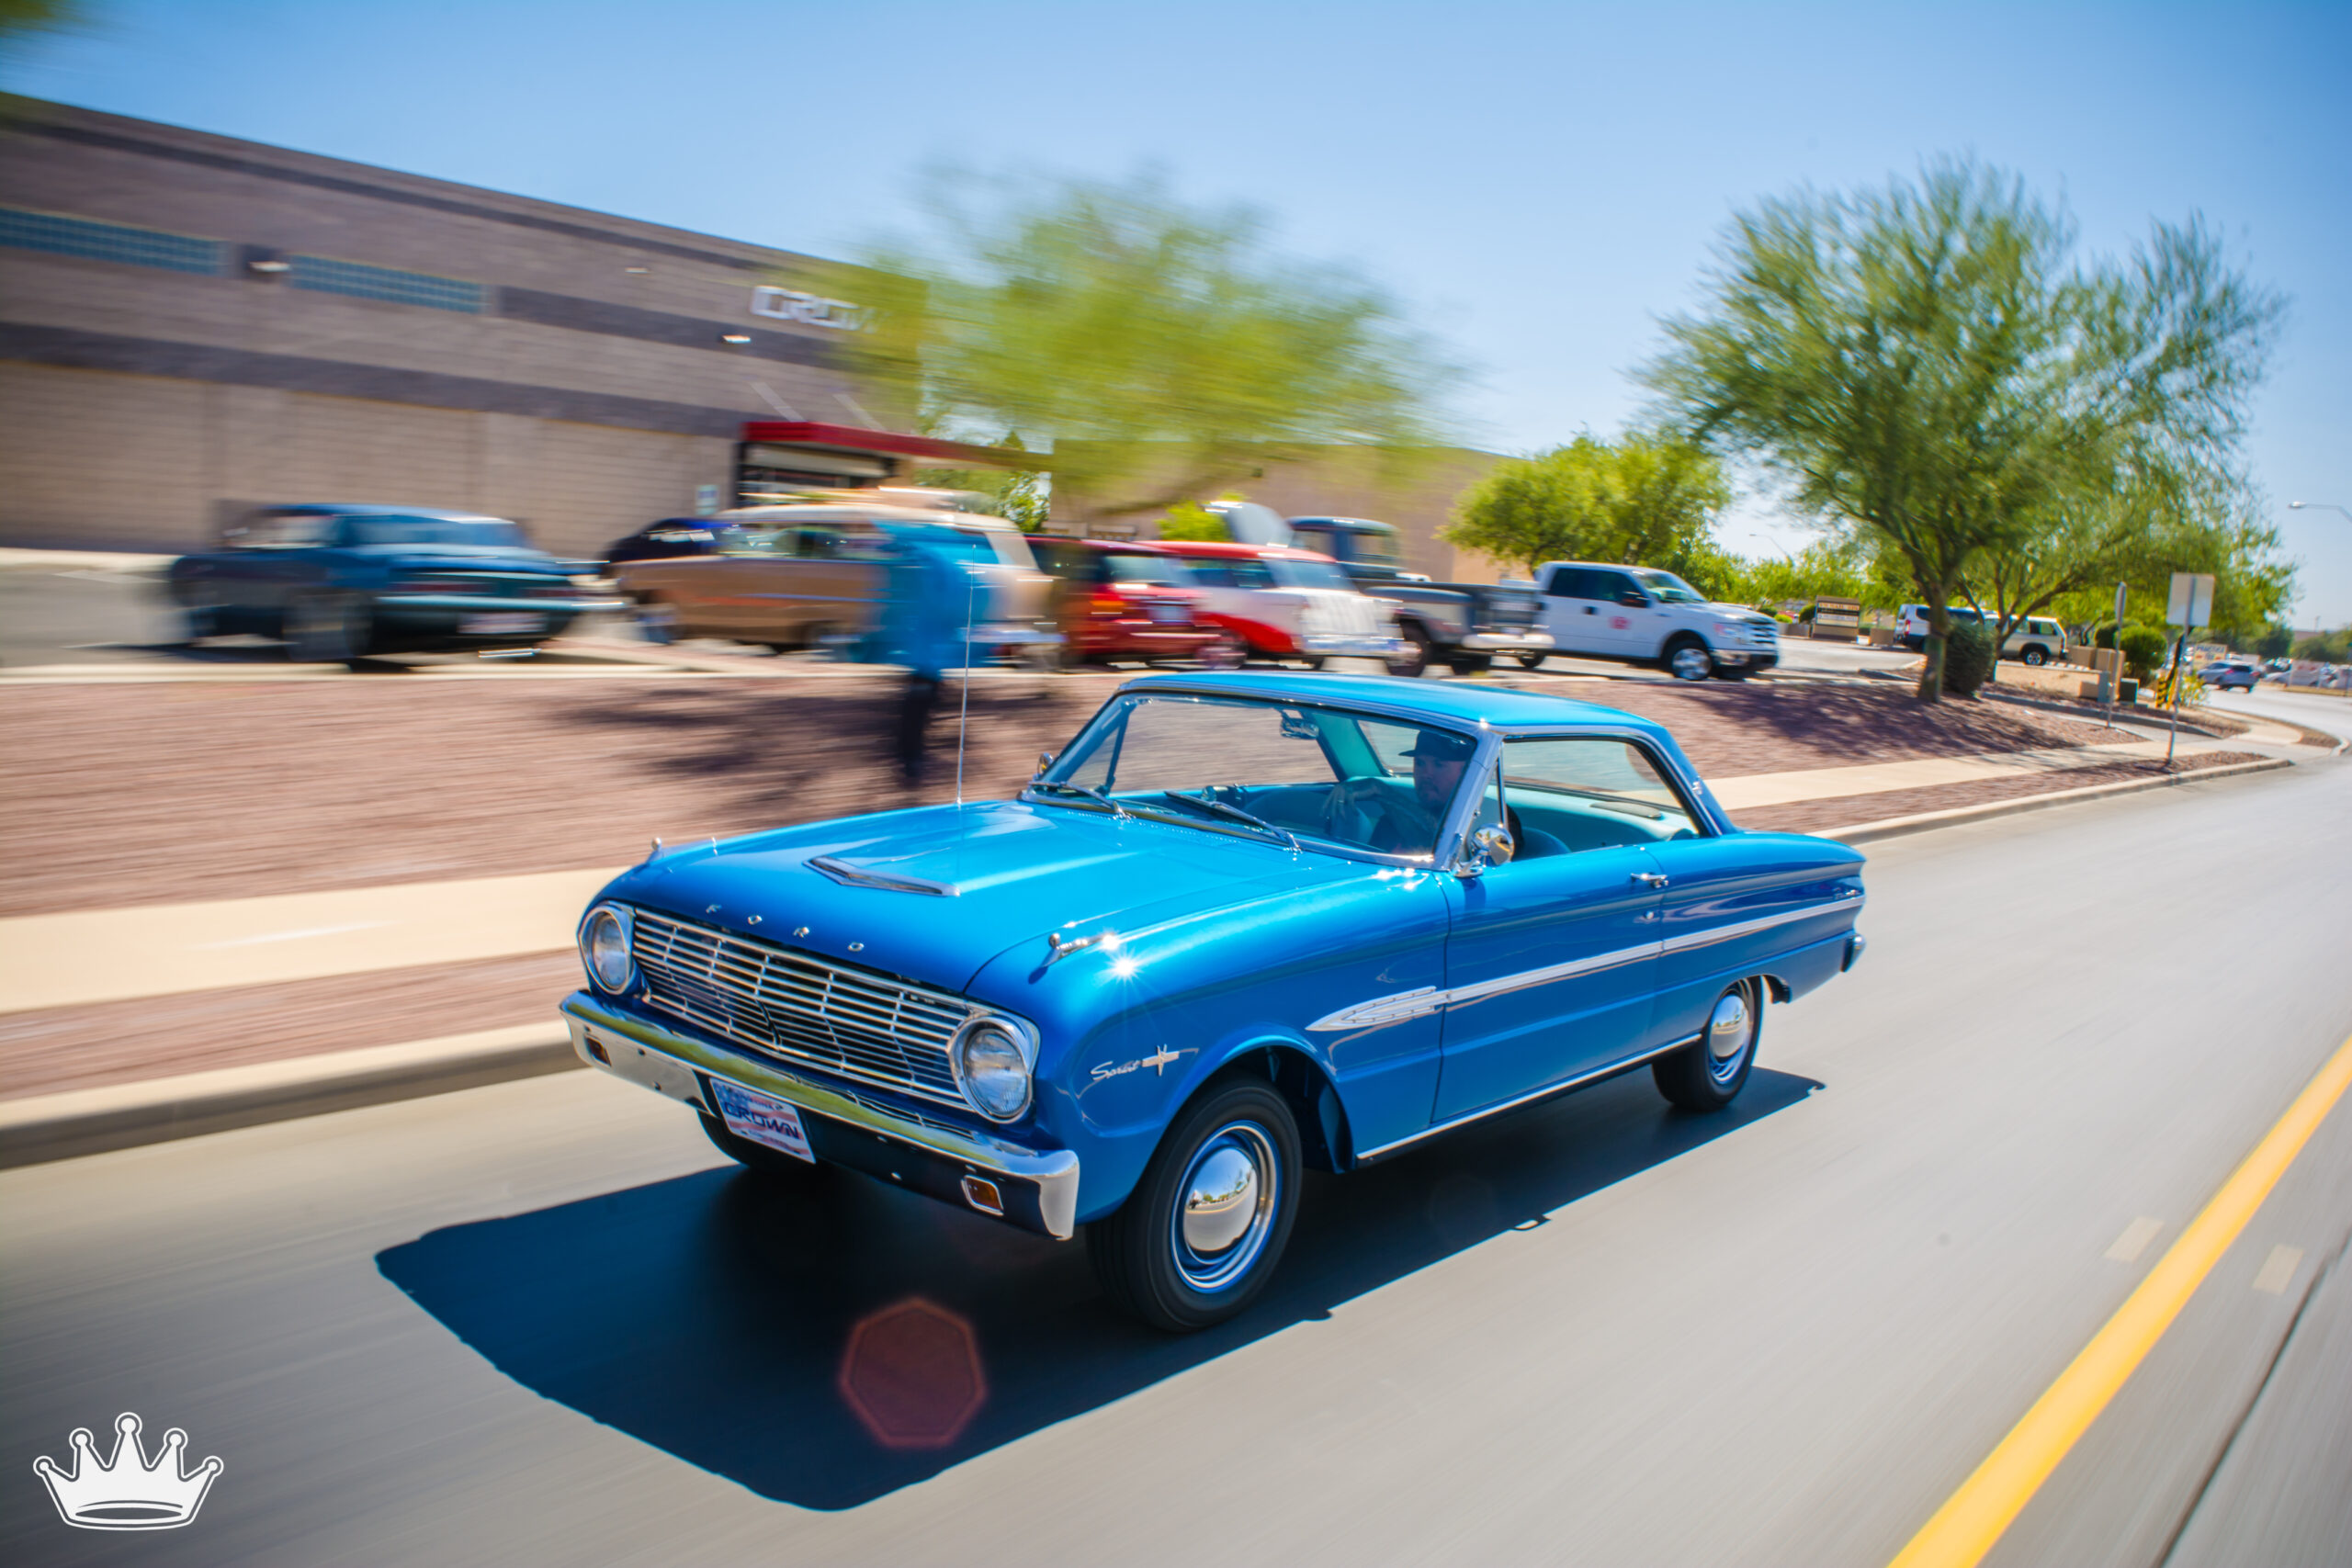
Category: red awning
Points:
column 849, row 438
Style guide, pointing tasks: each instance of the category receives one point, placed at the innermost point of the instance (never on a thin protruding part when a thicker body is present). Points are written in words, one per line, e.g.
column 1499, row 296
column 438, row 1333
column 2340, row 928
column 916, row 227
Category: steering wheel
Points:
column 1352, row 808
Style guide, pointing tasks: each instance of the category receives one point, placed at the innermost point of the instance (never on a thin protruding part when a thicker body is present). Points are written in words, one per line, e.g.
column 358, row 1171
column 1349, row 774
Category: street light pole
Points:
column 2318, row 506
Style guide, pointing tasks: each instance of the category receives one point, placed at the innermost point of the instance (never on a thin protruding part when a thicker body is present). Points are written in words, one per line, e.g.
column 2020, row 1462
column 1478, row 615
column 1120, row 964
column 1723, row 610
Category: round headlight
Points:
column 604, row 947
column 993, row 1069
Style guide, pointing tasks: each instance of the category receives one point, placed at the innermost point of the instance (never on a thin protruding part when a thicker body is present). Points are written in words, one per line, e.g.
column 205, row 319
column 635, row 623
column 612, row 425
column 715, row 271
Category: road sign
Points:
column 2192, row 600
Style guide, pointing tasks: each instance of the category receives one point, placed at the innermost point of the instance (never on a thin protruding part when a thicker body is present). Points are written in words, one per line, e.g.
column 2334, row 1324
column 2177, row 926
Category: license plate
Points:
column 762, row 1118
column 518, row 623
column 1170, row 614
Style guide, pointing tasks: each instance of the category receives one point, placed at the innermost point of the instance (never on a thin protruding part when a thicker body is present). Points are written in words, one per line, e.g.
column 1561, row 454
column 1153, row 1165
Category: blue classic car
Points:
column 342, row 583
column 1244, row 925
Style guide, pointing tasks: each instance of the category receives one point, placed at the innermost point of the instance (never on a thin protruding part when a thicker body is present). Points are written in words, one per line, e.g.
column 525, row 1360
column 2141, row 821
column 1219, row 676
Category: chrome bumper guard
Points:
column 1509, row 642
column 1038, row 1189
column 1332, row 644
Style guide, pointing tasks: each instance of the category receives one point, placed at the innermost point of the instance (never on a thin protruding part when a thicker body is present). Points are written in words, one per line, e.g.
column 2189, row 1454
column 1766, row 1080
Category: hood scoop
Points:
column 851, row 874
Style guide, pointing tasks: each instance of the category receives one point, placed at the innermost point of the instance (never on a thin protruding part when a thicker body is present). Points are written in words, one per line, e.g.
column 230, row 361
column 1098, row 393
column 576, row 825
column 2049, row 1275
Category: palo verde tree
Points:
column 1162, row 349
column 1926, row 363
column 1640, row 502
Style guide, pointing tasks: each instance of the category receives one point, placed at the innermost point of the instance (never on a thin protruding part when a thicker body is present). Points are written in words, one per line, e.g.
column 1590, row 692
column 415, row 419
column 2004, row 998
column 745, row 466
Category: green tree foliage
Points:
column 1826, row 568
column 2328, row 648
column 1162, row 348
column 1968, row 658
column 1926, row 363
column 21, row 20
column 1190, row 520
column 1638, row 501
column 2144, row 647
column 2273, row 641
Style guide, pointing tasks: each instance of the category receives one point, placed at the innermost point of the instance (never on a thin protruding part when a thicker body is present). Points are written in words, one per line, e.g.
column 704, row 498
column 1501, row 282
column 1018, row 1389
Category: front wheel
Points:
column 1686, row 658
column 1532, row 660
column 2036, row 656
column 1199, row 1237
column 326, row 628
column 1708, row 1074
column 1415, row 658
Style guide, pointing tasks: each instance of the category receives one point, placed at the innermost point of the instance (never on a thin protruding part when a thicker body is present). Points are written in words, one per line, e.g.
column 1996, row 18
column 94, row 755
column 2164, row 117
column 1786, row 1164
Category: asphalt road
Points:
column 539, row 1323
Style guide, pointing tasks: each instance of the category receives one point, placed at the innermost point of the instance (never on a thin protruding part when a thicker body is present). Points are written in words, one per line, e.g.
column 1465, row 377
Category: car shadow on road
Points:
column 719, row 1318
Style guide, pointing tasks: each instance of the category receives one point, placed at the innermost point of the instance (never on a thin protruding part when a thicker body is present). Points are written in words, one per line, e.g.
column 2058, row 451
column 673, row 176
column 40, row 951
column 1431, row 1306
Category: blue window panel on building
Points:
column 324, row 275
column 109, row 242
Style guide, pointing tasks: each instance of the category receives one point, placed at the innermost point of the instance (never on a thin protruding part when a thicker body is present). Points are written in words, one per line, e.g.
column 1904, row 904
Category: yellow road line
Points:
column 1973, row 1518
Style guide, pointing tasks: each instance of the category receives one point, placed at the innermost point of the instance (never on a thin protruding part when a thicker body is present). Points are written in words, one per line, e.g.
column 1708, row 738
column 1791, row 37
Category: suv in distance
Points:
column 1638, row 614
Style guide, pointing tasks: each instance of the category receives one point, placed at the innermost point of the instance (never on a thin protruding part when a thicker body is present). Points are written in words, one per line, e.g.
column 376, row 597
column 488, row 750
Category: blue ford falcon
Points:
column 1244, row 925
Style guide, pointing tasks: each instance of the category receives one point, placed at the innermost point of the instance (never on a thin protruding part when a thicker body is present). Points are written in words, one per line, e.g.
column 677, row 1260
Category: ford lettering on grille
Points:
column 801, row 1008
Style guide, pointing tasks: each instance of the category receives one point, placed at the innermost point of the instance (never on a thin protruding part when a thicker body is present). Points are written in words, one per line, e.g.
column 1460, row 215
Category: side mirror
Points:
column 1045, row 760
column 1490, row 846
column 1633, row 598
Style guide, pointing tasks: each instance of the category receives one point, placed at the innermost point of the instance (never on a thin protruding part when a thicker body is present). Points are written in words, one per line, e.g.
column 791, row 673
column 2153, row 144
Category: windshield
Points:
column 1667, row 588
column 484, row 532
column 1273, row 769
column 1323, row 574
column 1164, row 571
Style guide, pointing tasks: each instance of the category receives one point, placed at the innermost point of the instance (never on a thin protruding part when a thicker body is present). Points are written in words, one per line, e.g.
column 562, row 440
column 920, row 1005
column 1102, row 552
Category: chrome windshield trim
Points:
column 851, row 875
column 1053, row 1171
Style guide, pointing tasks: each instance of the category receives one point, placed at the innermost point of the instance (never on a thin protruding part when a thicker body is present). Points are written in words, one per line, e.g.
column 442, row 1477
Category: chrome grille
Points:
column 1764, row 635
column 791, row 1006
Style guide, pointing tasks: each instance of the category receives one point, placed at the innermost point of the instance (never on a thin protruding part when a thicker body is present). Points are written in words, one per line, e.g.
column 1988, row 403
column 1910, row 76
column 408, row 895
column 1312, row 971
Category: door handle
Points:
column 1650, row 878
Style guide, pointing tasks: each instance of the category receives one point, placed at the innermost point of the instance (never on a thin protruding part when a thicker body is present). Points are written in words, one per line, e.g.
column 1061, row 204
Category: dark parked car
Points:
column 342, row 583
column 670, row 538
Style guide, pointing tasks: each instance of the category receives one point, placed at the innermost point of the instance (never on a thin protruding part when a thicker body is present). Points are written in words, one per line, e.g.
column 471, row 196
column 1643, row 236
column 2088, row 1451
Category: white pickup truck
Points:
column 1644, row 616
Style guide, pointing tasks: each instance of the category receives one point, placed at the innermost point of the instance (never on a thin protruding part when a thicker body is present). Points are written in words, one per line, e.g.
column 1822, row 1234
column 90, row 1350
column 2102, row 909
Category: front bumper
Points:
column 1346, row 645
column 1039, row 1186
column 1509, row 642
column 1746, row 658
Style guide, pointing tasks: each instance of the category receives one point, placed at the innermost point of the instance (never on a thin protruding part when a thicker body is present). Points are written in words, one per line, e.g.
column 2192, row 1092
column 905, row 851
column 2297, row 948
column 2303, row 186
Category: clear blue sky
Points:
column 1538, row 182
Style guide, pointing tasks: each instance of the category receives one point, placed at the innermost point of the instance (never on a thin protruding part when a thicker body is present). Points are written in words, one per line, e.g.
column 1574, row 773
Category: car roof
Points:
column 1104, row 546
column 1459, row 704
column 370, row 509
column 1224, row 547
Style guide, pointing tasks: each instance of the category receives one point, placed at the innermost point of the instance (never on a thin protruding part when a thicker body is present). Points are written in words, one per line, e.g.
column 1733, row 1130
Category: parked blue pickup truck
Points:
column 343, row 583
column 1244, row 925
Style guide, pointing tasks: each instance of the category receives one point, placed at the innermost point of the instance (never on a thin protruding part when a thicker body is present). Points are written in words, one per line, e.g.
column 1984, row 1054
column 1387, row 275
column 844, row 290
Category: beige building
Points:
column 191, row 325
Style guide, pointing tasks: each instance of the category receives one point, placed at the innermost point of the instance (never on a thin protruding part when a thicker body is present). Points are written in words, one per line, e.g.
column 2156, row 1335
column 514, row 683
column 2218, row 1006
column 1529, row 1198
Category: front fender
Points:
column 1131, row 1032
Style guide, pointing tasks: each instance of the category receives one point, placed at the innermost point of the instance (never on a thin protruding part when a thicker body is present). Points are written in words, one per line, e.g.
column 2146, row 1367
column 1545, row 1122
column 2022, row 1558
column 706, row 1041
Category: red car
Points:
column 1288, row 603
column 1129, row 600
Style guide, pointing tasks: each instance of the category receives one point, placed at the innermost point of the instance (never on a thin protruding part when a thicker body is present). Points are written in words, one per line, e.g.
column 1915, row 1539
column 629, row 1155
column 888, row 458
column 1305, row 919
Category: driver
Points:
column 1409, row 825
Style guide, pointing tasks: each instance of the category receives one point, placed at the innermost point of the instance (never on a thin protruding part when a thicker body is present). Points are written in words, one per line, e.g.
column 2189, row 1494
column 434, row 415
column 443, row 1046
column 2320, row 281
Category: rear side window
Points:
column 1568, row 582
column 1585, row 792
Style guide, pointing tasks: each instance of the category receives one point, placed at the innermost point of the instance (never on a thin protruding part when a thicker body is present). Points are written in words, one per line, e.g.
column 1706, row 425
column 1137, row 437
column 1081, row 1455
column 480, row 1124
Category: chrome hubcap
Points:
column 1224, row 1206
column 1693, row 663
column 1728, row 1033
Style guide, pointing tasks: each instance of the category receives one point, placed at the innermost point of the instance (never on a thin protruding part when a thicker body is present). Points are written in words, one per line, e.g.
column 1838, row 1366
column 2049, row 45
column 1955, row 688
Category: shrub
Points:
column 2193, row 688
column 1185, row 519
column 1968, row 657
column 2143, row 649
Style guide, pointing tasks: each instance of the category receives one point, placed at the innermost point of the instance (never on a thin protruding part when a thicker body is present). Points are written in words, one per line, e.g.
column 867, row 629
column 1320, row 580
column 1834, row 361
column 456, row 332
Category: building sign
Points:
column 791, row 305
column 1838, row 620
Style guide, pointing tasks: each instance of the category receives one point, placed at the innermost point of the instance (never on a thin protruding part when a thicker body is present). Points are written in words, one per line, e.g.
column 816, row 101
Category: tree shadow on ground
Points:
column 713, row 1316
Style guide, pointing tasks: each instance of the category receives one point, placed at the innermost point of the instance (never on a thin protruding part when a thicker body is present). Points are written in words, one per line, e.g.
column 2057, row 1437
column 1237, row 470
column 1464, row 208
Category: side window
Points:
column 1566, row 583
column 1315, row 538
column 1610, row 585
column 1572, row 793
column 279, row 531
column 1251, row 574
column 1210, row 573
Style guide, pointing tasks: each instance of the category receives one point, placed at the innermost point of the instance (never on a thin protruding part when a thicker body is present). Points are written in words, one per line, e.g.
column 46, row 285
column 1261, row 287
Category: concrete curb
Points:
column 87, row 1122
column 1897, row 826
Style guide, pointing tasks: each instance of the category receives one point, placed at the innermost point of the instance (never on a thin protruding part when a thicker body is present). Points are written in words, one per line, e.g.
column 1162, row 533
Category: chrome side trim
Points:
column 851, row 875
column 671, row 1058
column 1549, row 1089
column 1399, row 1006
column 1747, row 928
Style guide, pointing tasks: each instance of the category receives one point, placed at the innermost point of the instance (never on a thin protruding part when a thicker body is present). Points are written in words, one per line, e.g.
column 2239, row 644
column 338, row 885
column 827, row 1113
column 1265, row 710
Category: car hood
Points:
column 933, row 893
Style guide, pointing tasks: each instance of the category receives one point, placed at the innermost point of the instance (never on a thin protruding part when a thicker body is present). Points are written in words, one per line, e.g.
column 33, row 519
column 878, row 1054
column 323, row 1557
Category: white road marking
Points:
column 2135, row 1240
column 2277, row 1270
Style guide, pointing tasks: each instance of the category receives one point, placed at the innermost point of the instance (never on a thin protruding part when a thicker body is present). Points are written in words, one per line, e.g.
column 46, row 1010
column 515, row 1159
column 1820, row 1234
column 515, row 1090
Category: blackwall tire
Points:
column 1686, row 658
column 1472, row 663
column 1709, row 1074
column 326, row 628
column 1410, row 663
column 1532, row 660
column 2036, row 656
column 1197, row 1240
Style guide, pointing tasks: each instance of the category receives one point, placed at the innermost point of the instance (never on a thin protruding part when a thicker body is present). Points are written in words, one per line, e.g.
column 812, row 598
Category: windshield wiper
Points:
column 1235, row 813
column 1092, row 792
